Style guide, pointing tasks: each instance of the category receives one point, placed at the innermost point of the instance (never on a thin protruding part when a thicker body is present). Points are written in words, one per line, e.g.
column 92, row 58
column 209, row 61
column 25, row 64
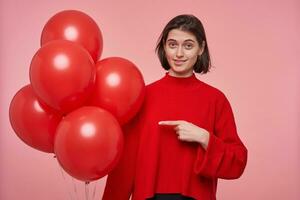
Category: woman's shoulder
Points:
column 219, row 97
column 156, row 84
column 153, row 84
column 213, row 90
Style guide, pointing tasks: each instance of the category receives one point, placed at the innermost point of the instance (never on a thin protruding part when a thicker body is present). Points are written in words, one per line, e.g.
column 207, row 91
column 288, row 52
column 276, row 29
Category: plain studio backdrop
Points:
column 254, row 47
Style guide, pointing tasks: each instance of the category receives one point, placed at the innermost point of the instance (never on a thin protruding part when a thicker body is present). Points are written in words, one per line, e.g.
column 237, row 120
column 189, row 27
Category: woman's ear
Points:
column 202, row 47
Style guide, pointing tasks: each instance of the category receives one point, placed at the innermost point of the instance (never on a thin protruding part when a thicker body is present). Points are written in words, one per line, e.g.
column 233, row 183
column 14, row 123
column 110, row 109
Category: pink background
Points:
column 255, row 53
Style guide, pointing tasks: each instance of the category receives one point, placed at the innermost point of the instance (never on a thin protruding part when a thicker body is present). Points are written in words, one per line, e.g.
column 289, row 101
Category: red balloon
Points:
column 62, row 74
column 119, row 88
column 32, row 122
column 88, row 143
column 77, row 27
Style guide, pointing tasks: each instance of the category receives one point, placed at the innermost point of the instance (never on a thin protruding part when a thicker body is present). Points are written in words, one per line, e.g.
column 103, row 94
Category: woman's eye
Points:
column 172, row 45
column 188, row 46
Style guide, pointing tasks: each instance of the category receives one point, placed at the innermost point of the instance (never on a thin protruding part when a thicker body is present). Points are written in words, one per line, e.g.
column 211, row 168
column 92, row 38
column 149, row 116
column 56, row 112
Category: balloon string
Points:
column 62, row 173
column 75, row 189
column 87, row 190
column 94, row 192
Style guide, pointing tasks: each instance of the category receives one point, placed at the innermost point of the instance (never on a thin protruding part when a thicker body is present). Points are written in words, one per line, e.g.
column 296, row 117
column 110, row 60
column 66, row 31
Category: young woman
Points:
column 184, row 137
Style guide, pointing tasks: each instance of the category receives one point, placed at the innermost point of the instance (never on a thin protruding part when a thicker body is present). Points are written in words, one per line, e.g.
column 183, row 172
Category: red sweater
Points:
column 156, row 161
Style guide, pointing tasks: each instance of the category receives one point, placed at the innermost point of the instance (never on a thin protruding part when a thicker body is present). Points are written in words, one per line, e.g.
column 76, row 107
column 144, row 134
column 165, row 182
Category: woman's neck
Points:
column 180, row 75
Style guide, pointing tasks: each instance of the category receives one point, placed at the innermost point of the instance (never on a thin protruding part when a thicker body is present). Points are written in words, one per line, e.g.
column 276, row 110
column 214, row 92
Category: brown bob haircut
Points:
column 191, row 24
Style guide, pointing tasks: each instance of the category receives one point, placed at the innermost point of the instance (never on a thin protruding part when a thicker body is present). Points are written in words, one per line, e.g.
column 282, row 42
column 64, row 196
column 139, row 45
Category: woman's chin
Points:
column 180, row 70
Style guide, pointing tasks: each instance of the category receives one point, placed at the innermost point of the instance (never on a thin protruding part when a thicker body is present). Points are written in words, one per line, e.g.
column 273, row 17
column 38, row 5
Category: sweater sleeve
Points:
column 119, row 183
column 226, row 155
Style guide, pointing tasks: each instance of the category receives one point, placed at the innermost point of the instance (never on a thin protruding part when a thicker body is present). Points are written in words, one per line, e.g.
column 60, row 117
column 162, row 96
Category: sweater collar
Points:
column 180, row 81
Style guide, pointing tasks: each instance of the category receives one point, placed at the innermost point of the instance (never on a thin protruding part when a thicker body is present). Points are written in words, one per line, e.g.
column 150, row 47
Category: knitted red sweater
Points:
column 156, row 161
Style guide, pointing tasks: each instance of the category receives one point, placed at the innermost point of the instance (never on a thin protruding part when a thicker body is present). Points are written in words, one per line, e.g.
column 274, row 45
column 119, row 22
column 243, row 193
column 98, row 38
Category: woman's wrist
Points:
column 204, row 140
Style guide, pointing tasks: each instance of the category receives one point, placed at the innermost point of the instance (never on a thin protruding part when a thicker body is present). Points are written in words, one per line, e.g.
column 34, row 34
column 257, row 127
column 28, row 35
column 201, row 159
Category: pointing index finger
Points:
column 169, row 123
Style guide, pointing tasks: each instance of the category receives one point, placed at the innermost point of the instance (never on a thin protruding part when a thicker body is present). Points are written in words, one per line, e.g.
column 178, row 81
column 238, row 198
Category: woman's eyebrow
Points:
column 171, row 40
column 187, row 40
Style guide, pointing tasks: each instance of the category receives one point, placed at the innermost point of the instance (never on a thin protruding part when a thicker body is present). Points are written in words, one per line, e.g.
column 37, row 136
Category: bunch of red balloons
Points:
column 75, row 105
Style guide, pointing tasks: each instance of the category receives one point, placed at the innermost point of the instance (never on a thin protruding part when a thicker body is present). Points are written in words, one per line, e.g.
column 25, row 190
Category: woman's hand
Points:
column 189, row 132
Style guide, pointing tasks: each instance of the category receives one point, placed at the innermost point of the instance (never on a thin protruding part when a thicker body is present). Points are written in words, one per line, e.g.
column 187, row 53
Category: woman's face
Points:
column 182, row 50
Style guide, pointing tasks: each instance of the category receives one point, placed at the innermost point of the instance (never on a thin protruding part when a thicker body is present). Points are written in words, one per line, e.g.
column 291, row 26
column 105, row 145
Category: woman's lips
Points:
column 179, row 62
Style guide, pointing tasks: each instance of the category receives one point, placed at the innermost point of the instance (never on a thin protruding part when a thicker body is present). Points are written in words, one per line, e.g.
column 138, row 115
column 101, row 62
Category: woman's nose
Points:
column 179, row 52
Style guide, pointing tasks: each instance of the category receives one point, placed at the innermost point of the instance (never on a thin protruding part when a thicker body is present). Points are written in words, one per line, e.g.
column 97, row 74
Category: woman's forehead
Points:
column 180, row 35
